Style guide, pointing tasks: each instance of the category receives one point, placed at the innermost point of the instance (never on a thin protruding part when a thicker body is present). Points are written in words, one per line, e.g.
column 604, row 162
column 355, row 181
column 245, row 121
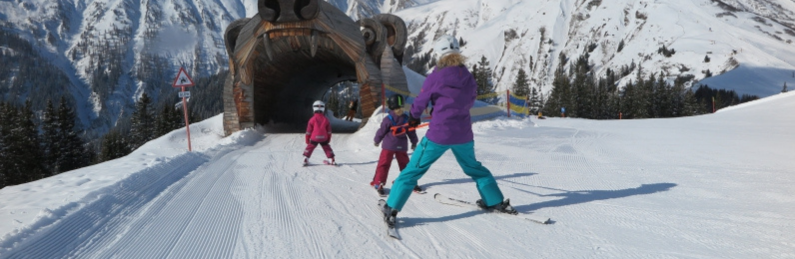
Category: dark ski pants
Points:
column 426, row 154
column 385, row 161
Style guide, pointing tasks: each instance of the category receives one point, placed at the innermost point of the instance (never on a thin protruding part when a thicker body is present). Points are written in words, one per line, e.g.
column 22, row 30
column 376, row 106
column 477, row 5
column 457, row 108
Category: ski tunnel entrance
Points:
column 286, row 87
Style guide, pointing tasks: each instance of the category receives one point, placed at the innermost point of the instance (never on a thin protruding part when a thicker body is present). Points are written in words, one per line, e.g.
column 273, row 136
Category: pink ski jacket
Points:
column 318, row 129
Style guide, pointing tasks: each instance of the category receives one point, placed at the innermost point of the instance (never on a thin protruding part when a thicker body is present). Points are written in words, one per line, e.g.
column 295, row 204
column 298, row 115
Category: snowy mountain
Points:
column 755, row 35
column 710, row 186
column 112, row 51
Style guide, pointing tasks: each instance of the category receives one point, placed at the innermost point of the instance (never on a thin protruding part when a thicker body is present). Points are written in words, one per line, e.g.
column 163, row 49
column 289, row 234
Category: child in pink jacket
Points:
column 318, row 131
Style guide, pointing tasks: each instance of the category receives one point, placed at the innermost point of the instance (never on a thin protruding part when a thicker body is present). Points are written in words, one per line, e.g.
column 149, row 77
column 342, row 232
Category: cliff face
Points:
column 534, row 35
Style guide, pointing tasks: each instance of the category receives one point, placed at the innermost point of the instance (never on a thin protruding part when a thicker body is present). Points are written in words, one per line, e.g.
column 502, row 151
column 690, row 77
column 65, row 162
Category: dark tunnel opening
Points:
column 286, row 87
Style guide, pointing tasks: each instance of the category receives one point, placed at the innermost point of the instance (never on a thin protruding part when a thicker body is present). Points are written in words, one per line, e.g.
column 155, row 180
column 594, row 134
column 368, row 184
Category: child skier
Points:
column 318, row 131
column 452, row 90
column 395, row 144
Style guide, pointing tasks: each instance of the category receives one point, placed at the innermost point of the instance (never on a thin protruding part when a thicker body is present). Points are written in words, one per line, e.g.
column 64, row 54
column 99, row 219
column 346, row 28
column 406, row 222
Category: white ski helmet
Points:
column 445, row 45
column 318, row 106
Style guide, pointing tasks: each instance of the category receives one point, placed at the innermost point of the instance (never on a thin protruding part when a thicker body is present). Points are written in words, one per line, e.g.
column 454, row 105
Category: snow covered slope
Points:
column 756, row 34
column 715, row 186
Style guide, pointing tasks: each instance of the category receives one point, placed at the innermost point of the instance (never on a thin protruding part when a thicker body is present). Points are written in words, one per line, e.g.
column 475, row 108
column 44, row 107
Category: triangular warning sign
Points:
column 182, row 80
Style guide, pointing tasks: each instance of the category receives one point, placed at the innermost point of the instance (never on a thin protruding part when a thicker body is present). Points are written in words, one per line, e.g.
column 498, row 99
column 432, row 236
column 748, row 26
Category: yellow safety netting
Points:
column 490, row 95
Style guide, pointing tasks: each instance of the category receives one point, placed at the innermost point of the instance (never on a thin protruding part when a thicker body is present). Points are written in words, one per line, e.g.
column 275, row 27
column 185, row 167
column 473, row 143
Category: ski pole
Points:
column 404, row 128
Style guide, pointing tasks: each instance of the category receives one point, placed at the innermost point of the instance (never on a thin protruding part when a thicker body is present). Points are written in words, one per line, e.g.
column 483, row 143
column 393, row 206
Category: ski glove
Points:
column 376, row 144
column 413, row 146
column 413, row 122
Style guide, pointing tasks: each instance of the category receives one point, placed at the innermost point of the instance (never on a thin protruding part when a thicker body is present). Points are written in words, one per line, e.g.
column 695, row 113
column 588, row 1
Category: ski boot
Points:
column 330, row 161
column 390, row 215
column 379, row 188
column 504, row 207
column 418, row 189
column 306, row 161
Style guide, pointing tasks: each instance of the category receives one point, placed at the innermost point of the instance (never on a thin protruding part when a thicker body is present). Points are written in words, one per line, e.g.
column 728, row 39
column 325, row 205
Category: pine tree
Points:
column 162, row 125
column 50, row 138
column 535, row 102
column 678, row 99
column 483, row 79
column 785, row 88
column 113, row 146
column 561, row 89
column 5, row 126
column 72, row 154
column 521, row 87
column 167, row 121
column 628, row 100
column 581, row 102
column 691, row 106
column 142, row 123
column 24, row 150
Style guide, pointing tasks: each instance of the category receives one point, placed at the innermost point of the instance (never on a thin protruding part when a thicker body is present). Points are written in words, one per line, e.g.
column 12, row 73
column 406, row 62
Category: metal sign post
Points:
column 182, row 81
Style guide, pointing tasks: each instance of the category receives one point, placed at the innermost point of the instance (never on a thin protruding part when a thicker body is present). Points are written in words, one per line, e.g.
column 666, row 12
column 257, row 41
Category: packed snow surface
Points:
column 711, row 186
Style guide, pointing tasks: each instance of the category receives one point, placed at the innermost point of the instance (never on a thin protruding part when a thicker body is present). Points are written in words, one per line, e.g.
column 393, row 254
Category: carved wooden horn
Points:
column 374, row 34
column 396, row 33
column 230, row 38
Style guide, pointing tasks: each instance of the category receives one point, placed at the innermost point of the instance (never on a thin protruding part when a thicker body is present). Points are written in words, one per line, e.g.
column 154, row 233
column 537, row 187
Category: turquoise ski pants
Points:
column 426, row 154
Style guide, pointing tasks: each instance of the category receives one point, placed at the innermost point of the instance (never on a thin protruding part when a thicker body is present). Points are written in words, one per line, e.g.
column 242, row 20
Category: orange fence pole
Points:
column 508, row 95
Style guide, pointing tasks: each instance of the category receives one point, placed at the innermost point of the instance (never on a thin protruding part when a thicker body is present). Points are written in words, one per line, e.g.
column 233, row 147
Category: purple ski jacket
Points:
column 453, row 91
column 392, row 142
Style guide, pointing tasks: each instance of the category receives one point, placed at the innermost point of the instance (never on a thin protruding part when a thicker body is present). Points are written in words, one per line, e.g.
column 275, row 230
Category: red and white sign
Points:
column 182, row 80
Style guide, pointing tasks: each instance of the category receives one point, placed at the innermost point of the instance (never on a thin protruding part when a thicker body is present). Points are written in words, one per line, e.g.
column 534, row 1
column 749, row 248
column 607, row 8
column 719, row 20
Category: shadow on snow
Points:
column 568, row 198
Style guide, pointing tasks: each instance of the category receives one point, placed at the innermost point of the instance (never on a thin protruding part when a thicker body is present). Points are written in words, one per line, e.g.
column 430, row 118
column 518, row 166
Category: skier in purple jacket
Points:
column 394, row 144
column 452, row 90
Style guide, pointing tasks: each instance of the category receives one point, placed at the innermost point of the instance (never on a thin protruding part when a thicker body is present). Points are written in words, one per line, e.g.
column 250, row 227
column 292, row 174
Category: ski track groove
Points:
column 304, row 208
column 187, row 211
column 209, row 224
column 159, row 207
column 181, row 204
column 80, row 229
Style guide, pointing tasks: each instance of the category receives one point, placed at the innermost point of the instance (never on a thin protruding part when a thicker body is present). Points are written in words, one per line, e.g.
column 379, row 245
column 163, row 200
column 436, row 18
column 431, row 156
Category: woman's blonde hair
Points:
column 450, row 60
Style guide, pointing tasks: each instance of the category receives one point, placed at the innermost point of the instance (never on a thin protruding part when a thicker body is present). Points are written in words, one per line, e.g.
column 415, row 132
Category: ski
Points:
column 391, row 230
column 324, row 164
column 456, row 202
column 331, row 164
